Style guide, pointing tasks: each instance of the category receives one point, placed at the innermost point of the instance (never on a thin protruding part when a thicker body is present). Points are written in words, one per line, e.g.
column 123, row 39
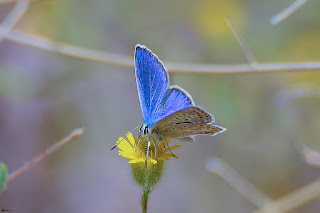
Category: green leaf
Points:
column 3, row 176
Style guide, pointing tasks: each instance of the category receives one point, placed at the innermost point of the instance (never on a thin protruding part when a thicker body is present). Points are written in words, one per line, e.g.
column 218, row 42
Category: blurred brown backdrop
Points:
column 44, row 95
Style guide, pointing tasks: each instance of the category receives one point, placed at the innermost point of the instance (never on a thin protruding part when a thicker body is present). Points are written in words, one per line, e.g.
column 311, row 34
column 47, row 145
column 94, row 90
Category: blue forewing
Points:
column 157, row 99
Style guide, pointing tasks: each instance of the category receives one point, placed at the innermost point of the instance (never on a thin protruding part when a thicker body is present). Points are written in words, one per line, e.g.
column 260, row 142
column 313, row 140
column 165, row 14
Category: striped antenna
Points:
column 123, row 138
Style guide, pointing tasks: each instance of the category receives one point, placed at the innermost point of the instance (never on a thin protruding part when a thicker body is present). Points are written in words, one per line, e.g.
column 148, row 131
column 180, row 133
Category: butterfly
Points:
column 168, row 111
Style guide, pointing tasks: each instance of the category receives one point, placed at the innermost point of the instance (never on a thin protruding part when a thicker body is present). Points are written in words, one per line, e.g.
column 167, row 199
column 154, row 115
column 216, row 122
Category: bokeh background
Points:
column 43, row 96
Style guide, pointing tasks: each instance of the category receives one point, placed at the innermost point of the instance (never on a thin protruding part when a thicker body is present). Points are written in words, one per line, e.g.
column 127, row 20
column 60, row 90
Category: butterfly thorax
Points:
column 150, row 133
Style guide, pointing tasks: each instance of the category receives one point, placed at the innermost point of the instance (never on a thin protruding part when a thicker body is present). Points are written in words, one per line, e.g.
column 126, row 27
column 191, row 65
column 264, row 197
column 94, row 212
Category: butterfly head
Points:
column 144, row 130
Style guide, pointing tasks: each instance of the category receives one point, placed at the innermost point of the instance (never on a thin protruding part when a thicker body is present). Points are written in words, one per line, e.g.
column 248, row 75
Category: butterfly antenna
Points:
column 170, row 149
column 117, row 144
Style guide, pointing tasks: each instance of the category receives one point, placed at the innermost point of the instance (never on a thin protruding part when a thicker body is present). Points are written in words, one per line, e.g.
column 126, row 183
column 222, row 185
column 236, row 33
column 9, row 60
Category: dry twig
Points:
column 287, row 12
column 242, row 44
column 231, row 176
column 16, row 13
column 127, row 61
column 7, row 1
column 73, row 134
column 293, row 199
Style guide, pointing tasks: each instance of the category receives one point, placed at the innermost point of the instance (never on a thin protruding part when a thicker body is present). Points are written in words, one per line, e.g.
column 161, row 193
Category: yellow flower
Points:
column 146, row 171
column 136, row 152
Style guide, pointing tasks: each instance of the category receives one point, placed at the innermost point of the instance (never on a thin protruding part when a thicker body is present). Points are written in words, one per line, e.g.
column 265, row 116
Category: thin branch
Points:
column 7, row 1
column 309, row 154
column 242, row 68
column 287, row 12
column 69, row 50
column 73, row 134
column 127, row 61
column 231, row 176
column 17, row 12
column 242, row 44
column 294, row 199
column 285, row 97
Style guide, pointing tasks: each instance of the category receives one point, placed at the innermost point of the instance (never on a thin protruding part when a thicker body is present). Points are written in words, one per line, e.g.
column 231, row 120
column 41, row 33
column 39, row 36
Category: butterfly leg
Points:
column 170, row 149
column 138, row 142
column 151, row 137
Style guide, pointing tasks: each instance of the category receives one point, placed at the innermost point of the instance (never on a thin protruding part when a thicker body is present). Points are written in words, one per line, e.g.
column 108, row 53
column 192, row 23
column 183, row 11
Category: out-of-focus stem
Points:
column 287, row 12
column 239, row 183
column 127, row 61
column 73, row 134
column 293, row 200
column 13, row 17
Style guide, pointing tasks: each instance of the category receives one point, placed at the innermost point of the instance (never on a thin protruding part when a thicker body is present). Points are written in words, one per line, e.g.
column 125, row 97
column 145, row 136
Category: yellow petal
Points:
column 124, row 145
column 126, row 155
column 131, row 138
column 163, row 158
column 172, row 148
column 153, row 161
column 137, row 160
column 166, row 155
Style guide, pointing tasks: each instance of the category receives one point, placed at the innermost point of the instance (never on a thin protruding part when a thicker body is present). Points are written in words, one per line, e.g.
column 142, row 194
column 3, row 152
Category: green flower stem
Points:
column 73, row 134
column 147, row 178
column 144, row 200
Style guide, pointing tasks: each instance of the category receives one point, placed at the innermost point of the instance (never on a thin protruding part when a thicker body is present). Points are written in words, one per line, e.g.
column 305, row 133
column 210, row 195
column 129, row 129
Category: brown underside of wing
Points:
column 183, row 130
column 190, row 115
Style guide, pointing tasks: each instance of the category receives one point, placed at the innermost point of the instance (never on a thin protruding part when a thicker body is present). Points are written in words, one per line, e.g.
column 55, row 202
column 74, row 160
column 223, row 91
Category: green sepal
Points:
column 147, row 178
column 3, row 176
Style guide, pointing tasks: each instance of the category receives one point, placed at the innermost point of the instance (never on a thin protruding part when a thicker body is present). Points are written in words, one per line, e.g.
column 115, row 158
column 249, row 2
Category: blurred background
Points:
column 43, row 96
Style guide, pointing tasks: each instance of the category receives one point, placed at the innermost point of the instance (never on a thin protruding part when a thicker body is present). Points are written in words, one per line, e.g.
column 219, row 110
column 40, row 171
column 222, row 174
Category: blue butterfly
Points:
column 168, row 111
